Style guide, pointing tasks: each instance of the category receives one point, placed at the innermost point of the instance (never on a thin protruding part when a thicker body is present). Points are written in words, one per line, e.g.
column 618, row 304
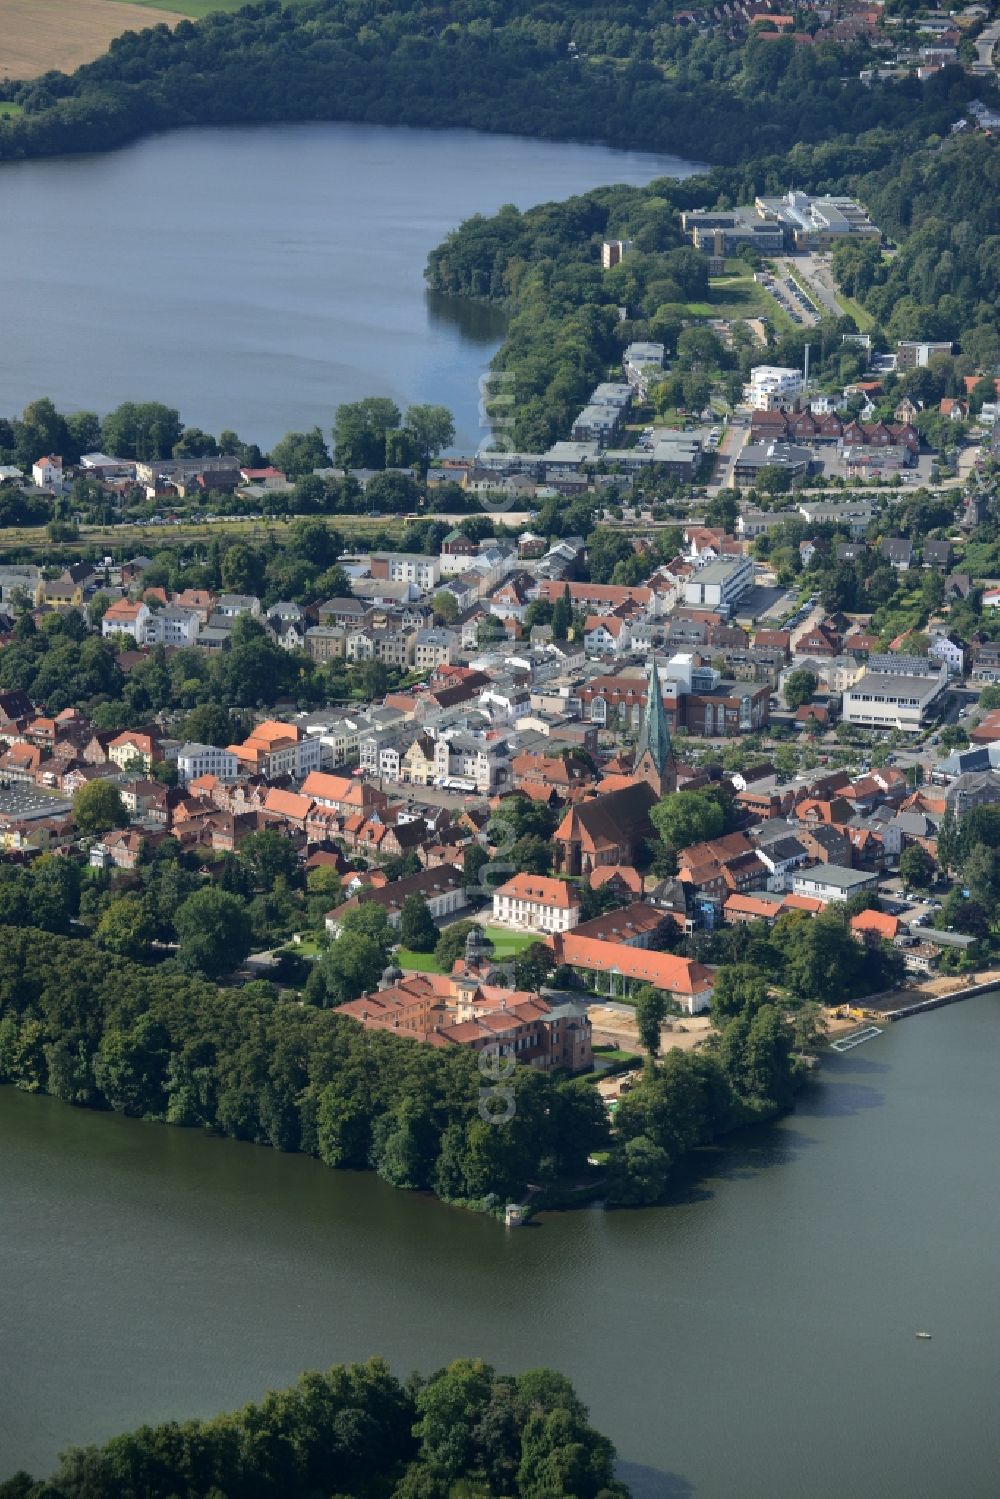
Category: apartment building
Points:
column 720, row 584
column 406, row 567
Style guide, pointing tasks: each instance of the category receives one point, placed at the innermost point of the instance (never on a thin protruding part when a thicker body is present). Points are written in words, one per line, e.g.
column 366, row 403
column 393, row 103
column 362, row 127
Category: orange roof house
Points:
column 876, row 926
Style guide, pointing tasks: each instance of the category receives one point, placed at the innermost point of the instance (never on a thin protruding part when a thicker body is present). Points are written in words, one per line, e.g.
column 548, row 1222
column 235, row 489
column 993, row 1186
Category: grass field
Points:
column 194, row 9
column 37, row 35
column 10, row 111
column 506, row 944
column 737, row 295
column 154, row 538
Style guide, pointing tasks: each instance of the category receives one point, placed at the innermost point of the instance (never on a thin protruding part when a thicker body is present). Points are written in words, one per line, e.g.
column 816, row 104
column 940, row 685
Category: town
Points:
column 523, row 788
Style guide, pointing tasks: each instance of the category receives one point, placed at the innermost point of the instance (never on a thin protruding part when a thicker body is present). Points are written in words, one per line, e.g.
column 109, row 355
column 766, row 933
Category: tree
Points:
column 242, row 569
column 687, row 817
column 650, row 1013
column 209, row 723
column 489, row 630
column 360, row 429
column 269, row 857
column 982, row 876
column 799, row 687
column 532, row 966
column 639, row 1173
column 98, row 807
column 299, row 453
column 431, row 429
column 474, row 859
column 214, row 932
column 127, row 928
column 451, row 943
column 916, row 866
column 531, row 855
column 562, row 615
column 445, row 607
column 417, row 930
column 739, row 990
column 144, row 431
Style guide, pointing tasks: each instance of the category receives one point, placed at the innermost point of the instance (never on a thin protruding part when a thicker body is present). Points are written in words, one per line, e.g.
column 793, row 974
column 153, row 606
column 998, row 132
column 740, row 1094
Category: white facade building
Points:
column 172, row 626
column 719, row 584
column 772, row 385
column 194, row 760
column 886, row 699
column 541, row 904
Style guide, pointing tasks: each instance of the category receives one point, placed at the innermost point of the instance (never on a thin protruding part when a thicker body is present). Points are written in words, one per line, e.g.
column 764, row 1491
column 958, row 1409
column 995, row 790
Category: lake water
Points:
column 255, row 278
column 754, row 1340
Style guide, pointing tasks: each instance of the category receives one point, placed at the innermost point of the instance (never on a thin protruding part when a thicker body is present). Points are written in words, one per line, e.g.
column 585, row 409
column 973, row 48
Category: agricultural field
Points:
column 39, row 35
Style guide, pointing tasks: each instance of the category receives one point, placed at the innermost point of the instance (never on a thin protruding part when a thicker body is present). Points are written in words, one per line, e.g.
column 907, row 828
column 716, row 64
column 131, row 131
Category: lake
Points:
column 755, row 1338
column 257, row 277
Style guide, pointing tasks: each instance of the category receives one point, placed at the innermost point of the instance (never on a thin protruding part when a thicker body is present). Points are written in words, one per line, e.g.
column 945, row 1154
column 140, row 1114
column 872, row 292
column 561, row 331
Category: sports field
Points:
column 38, row 35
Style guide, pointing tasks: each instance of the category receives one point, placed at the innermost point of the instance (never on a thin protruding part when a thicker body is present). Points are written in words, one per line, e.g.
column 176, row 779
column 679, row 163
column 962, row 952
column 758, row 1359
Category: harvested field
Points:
column 38, row 35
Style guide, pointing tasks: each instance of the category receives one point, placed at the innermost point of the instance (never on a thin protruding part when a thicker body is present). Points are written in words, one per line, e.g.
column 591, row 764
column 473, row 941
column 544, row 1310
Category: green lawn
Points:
column 423, row 962
column 195, row 9
column 505, row 945
column 855, row 310
column 737, row 295
column 10, row 111
column 615, row 1054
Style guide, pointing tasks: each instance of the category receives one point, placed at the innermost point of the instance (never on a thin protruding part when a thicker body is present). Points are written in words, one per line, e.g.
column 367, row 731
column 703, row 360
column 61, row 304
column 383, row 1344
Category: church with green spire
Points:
column 654, row 761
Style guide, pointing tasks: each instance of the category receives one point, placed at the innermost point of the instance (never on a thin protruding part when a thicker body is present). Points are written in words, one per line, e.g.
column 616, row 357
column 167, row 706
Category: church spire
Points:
column 655, row 753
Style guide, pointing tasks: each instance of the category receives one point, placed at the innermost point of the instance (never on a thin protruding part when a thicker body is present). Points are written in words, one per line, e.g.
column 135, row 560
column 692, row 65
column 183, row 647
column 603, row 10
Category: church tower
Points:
column 654, row 761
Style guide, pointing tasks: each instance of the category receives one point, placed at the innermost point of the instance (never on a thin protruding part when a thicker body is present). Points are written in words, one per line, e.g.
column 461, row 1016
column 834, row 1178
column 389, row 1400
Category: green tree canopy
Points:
column 417, row 930
column 98, row 807
column 214, row 932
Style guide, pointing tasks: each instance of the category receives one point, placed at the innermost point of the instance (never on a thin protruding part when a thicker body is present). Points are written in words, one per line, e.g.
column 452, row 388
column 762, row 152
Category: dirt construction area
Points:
column 39, row 35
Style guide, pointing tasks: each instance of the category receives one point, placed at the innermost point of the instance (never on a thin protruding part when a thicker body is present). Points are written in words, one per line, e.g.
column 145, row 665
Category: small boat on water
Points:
column 925, row 1335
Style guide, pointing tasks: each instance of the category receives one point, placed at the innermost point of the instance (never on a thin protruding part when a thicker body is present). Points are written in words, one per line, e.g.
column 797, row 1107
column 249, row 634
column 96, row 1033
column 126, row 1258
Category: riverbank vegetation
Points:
column 628, row 76
column 357, row 1432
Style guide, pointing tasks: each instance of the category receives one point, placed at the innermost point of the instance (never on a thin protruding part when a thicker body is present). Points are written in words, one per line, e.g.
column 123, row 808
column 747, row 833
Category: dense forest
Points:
column 357, row 1432
column 626, row 75
column 936, row 200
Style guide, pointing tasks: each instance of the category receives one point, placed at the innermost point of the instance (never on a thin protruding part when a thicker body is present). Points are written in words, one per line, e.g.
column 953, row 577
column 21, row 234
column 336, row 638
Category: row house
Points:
column 393, row 647
column 277, row 749
column 346, row 795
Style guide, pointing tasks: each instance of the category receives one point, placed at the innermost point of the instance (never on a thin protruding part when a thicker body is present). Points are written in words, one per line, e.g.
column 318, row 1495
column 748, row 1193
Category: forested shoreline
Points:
column 100, row 1031
column 358, row 1432
column 625, row 76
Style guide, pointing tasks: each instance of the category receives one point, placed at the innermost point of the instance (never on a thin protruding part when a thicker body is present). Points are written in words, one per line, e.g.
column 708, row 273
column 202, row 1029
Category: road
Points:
column 986, row 44
column 729, row 450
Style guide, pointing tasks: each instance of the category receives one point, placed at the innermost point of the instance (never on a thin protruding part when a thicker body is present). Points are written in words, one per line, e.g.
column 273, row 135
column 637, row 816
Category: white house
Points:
column 832, row 882
column 943, row 649
column 47, row 472
column 126, row 618
column 895, row 692
column 606, row 635
column 194, row 760
column 536, row 902
column 719, row 584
